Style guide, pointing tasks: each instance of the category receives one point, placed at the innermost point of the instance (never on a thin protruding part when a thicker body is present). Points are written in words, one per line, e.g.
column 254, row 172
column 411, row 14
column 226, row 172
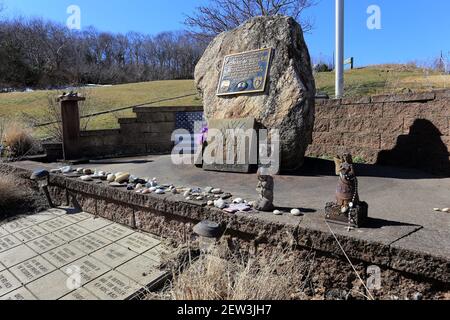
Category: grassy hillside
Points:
column 364, row 81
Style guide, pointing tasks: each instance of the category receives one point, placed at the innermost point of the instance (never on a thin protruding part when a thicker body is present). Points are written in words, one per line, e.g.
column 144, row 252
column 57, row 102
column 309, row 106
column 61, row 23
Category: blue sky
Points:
column 412, row 30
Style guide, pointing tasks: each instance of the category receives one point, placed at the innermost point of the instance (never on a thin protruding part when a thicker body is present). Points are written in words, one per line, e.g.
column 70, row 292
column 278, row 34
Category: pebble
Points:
column 296, row 212
column 227, row 196
column 146, row 191
column 55, row 171
column 153, row 183
column 437, row 209
column 153, row 189
column 111, row 178
column 216, row 191
column 277, row 212
column 208, row 189
column 159, row 191
column 188, row 198
column 67, row 169
column 446, row 210
column 139, row 186
column 174, row 191
column 87, row 171
column 86, row 178
column 199, row 198
column 221, row 204
column 80, row 170
column 121, row 178
column 210, row 203
column 187, row 193
column 130, row 187
column 238, row 200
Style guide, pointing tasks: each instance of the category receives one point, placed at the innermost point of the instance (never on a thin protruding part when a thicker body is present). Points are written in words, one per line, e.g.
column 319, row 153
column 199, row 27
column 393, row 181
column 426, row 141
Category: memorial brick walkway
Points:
column 58, row 254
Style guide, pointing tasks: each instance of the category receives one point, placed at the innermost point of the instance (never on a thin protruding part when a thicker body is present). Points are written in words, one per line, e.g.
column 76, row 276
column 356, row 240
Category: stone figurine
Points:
column 265, row 191
column 347, row 189
column 348, row 209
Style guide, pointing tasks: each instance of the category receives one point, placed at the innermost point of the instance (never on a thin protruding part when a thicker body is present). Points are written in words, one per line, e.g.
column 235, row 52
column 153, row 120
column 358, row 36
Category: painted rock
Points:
column 111, row 178
column 122, row 178
column 238, row 200
column 296, row 212
column 87, row 171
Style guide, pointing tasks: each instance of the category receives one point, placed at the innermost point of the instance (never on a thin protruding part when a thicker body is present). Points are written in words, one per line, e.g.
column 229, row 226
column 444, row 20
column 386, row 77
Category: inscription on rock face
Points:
column 113, row 286
column 32, row 269
column 244, row 72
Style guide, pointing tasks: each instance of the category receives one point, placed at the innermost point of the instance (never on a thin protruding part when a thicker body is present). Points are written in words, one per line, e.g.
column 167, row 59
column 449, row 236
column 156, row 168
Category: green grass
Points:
column 365, row 81
column 384, row 79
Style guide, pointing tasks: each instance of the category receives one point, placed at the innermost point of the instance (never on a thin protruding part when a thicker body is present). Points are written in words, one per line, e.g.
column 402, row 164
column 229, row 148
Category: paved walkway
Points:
column 58, row 254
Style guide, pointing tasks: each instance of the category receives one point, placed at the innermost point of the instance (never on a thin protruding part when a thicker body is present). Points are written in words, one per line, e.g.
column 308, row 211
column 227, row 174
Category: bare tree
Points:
column 224, row 15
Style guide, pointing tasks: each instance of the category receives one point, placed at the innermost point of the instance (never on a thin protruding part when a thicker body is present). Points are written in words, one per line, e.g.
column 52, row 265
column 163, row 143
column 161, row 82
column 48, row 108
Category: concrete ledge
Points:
column 404, row 251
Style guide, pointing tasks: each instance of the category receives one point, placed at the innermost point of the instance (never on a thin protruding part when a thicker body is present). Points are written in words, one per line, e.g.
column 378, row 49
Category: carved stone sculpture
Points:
column 265, row 191
column 348, row 208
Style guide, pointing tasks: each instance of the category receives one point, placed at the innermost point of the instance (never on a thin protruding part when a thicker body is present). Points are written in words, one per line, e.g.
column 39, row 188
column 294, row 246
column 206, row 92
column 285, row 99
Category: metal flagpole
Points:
column 339, row 62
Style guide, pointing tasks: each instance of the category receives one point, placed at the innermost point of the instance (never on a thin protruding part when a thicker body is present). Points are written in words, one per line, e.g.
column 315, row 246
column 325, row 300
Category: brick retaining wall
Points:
column 410, row 130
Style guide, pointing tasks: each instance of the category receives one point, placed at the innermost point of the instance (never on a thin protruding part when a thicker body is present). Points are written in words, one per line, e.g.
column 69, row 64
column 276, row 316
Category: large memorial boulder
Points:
column 287, row 102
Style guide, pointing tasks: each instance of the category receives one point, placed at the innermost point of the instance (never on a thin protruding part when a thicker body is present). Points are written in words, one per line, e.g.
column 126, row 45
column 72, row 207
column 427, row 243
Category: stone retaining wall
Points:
column 403, row 271
column 147, row 133
column 410, row 130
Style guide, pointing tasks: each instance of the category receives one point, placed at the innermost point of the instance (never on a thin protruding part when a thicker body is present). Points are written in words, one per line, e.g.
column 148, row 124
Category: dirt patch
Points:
column 19, row 196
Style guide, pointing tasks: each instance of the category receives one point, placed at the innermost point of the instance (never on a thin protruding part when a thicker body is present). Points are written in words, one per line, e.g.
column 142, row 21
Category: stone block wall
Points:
column 150, row 132
column 408, row 130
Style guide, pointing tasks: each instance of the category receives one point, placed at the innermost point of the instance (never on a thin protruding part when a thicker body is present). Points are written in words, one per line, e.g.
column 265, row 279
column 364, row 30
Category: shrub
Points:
column 264, row 277
column 18, row 139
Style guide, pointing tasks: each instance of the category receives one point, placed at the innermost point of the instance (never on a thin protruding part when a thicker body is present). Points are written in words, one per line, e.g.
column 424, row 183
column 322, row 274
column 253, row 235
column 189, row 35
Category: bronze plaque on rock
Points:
column 244, row 72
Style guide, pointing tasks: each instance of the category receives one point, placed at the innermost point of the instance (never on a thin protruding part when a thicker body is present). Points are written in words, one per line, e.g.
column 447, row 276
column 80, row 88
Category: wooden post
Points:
column 70, row 125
